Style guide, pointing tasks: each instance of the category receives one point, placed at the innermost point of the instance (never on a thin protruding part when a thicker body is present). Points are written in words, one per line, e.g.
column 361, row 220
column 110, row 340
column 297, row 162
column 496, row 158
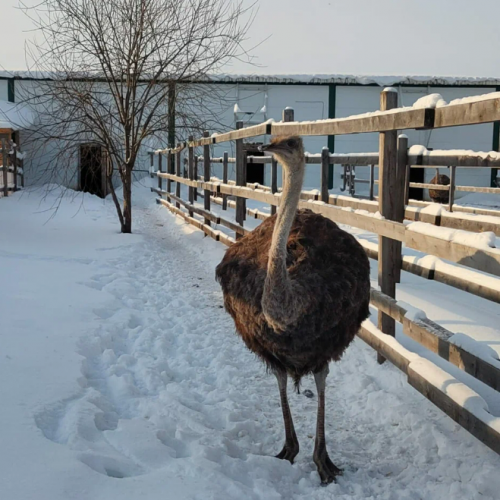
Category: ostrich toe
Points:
column 327, row 470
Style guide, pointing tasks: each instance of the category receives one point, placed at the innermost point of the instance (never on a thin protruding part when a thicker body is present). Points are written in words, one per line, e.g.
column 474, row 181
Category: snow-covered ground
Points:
column 122, row 377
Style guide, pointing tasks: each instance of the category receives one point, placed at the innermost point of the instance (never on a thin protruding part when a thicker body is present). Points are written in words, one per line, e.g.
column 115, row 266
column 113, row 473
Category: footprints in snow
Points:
column 136, row 413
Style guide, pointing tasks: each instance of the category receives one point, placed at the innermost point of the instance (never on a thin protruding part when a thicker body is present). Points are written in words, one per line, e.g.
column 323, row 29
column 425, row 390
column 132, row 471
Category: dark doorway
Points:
column 255, row 171
column 416, row 175
column 91, row 170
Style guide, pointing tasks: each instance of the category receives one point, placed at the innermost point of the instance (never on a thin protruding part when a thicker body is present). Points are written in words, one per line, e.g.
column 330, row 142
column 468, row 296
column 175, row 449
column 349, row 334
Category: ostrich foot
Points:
column 289, row 452
column 327, row 470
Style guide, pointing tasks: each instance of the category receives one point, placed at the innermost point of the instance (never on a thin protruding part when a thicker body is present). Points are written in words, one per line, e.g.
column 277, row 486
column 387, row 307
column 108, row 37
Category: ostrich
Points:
column 298, row 289
column 438, row 196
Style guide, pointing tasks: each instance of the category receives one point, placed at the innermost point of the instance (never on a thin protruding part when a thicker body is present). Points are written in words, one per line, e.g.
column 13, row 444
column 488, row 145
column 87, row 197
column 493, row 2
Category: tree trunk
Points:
column 127, row 201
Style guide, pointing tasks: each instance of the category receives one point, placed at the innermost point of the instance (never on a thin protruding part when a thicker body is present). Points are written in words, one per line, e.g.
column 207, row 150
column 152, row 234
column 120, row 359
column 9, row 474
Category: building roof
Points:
column 319, row 79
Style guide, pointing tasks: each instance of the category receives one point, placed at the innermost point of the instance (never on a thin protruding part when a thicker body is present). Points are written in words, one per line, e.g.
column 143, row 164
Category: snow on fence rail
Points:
column 11, row 167
column 455, row 240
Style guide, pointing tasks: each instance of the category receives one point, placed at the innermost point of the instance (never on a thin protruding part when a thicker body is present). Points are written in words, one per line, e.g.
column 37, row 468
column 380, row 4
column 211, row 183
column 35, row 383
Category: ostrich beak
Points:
column 270, row 148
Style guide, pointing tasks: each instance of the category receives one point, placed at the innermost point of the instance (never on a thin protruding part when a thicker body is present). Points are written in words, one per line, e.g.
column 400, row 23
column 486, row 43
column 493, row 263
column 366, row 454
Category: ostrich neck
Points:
column 279, row 302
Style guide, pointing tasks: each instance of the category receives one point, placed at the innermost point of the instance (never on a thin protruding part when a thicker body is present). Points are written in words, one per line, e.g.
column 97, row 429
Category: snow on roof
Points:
column 15, row 116
column 380, row 80
column 339, row 79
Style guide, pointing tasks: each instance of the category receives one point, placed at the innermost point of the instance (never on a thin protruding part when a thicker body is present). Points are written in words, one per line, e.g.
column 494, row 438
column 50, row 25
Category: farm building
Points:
column 255, row 99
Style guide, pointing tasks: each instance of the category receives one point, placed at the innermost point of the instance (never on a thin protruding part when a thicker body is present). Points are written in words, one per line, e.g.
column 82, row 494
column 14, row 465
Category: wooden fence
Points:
column 11, row 169
column 384, row 218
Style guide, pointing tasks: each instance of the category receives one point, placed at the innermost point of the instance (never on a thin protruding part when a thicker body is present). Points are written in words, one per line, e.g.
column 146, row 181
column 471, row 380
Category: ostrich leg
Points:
column 326, row 469
column 291, row 448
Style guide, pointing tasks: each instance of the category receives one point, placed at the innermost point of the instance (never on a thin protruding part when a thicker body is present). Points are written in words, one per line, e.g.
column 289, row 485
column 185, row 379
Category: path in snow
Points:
column 168, row 388
column 168, row 403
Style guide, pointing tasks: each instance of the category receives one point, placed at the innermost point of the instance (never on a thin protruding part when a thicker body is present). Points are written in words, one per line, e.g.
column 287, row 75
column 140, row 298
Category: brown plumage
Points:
column 332, row 271
column 438, row 196
column 298, row 289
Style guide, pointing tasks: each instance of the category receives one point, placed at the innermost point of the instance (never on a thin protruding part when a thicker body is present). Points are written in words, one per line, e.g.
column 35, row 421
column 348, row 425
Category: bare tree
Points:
column 111, row 72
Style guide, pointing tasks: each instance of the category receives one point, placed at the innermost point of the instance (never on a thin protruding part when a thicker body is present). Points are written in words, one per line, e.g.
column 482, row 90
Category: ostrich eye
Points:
column 291, row 143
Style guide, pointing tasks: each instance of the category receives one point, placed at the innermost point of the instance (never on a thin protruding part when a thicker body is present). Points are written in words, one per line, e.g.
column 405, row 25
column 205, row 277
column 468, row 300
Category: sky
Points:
column 368, row 37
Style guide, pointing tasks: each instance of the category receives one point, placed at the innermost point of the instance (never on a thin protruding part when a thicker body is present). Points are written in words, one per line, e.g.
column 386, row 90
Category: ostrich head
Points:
column 289, row 151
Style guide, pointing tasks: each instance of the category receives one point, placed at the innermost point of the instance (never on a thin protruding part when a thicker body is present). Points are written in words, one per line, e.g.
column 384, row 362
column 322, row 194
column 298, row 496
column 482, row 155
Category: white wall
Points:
column 310, row 102
column 4, row 92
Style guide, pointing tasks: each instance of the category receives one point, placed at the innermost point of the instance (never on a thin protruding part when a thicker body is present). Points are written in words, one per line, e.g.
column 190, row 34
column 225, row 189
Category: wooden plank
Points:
column 243, row 133
column 436, row 187
column 389, row 250
column 477, row 427
column 416, row 214
column 443, row 159
column 389, row 229
column 387, row 304
column 475, row 226
column 470, row 113
column 358, row 159
column 476, row 189
column 393, row 120
column 204, row 213
column 484, row 260
column 473, row 424
column 451, row 278
column 325, row 166
column 437, row 339
column 384, row 350
column 354, row 159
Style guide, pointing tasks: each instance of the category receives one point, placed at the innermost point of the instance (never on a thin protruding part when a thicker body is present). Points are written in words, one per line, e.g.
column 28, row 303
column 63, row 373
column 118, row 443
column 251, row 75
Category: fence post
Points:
column 372, row 181
column 206, row 174
column 14, row 161
column 325, row 167
column 407, row 184
column 225, row 161
column 169, row 170
column 21, row 164
column 452, row 187
column 274, row 181
column 191, row 172
column 160, row 180
column 240, row 179
column 195, row 175
column 288, row 116
column 387, row 261
column 400, row 191
column 178, row 174
column 5, row 169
